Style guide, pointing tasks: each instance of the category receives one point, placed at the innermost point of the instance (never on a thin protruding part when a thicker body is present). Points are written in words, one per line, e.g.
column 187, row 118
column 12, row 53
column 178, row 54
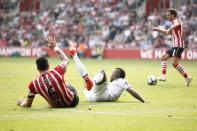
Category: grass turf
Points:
column 171, row 107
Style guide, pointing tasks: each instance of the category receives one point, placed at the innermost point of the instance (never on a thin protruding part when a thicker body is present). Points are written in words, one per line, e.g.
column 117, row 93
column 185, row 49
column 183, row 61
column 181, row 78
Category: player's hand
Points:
column 21, row 102
column 51, row 41
column 154, row 28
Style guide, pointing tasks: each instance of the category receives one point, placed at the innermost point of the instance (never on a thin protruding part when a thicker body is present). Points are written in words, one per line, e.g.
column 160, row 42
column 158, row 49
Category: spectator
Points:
column 97, row 52
column 93, row 21
column 159, row 42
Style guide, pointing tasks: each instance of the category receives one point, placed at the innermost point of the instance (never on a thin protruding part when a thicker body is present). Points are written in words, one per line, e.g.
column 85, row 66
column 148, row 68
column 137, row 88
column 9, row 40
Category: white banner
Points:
column 157, row 54
column 16, row 51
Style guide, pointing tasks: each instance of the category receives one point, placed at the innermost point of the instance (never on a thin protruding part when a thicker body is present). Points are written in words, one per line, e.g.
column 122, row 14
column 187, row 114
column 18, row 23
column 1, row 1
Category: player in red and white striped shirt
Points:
column 176, row 30
column 50, row 84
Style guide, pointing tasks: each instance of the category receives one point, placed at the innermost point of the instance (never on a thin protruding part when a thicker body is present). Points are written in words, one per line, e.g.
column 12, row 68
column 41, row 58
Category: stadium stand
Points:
column 113, row 24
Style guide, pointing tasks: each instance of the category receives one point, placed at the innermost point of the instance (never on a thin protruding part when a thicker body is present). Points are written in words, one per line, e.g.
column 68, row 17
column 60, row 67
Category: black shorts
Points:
column 175, row 51
column 76, row 97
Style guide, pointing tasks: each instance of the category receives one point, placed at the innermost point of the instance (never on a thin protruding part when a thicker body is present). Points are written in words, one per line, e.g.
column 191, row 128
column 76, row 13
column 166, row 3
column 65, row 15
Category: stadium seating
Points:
column 113, row 24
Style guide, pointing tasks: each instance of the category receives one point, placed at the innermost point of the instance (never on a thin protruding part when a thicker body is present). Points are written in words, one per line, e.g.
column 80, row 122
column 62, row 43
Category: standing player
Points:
column 177, row 49
column 50, row 84
column 101, row 90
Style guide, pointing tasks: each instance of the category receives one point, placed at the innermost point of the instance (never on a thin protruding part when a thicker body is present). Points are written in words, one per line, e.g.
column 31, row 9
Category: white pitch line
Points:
column 129, row 114
column 137, row 113
column 126, row 103
column 152, row 112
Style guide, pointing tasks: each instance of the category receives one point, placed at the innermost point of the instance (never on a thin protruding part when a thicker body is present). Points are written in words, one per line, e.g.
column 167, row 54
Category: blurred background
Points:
column 97, row 25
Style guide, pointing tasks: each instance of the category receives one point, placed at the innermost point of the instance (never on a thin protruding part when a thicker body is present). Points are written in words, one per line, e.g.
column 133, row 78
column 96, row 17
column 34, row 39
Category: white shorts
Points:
column 98, row 93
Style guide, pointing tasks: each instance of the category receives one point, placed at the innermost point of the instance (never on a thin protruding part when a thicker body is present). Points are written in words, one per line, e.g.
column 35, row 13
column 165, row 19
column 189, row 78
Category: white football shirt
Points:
column 116, row 88
column 107, row 92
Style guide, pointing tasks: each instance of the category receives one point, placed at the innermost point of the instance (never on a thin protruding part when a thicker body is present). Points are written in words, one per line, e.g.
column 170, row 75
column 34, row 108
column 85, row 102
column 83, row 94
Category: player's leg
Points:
column 76, row 97
column 99, row 90
column 164, row 59
column 80, row 67
column 176, row 58
column 100, row 80
column 100, row 87
column 181, row 70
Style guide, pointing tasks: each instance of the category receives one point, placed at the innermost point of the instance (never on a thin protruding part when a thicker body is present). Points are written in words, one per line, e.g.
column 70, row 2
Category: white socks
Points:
column 80, row 67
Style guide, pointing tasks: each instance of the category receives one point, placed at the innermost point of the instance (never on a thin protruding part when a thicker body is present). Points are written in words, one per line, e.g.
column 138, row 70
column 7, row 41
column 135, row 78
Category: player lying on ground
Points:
column 177, row 49
column 99, row 89
column 50, row 84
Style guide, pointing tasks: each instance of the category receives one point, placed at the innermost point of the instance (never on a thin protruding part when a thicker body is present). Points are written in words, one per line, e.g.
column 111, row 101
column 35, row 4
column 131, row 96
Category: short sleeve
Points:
column 32, row 90
column 126, row 85
column 60, row 69
column 176, row 22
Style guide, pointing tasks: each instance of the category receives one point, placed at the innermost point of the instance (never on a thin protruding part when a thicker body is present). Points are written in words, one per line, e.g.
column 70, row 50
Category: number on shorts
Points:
column 174, row 51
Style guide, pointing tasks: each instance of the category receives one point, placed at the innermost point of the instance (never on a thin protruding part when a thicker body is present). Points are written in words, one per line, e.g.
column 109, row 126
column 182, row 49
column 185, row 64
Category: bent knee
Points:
column 175, row 65
column 163, row 59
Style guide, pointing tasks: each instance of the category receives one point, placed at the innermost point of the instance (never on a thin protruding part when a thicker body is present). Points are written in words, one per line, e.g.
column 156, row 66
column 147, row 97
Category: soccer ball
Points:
column 152, row 80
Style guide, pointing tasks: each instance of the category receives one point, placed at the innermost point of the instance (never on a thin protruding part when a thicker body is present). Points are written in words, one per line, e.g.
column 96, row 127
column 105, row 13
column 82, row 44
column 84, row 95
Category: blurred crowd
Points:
column 112, row 24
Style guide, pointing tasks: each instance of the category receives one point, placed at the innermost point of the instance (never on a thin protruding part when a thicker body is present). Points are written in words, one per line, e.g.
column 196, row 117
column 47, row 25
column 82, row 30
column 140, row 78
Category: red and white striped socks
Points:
column 163, row 67
column 181, row 70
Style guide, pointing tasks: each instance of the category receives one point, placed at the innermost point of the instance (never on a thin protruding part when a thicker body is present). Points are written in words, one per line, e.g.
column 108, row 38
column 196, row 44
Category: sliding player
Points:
column 177, row 49
column 101, row 90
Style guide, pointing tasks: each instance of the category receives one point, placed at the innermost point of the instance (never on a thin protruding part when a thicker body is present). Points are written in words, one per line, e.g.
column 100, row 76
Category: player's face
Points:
column 168, row 16
column 114, row 75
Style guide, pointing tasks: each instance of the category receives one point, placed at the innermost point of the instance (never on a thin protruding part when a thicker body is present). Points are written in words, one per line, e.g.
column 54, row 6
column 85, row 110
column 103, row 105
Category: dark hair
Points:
column 172, row 12
column 117, row 73
column 122, row 73
column 42, row 63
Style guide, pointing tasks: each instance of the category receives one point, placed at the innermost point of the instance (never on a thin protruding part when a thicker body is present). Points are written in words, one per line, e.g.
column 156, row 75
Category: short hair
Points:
column 42, row 63
column 122, row 73
column 117, row 73
column 172, row 11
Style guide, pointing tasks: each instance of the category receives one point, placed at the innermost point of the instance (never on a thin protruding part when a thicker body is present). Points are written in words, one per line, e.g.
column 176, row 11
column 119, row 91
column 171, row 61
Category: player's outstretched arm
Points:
column 52, row 44
column 166, row 32
column 25, row 102
column 135, row 94
column 176, row 24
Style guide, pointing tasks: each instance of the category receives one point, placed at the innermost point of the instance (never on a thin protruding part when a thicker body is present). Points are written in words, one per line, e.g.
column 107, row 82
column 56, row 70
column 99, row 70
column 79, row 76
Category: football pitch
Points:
column 171, row 107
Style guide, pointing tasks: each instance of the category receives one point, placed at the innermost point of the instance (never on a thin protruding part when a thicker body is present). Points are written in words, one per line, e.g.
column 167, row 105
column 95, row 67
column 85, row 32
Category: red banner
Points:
column 108, row 54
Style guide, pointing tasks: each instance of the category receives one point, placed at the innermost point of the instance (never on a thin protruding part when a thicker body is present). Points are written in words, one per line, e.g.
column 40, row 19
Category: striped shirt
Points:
column 177, row 34
column 52, row 87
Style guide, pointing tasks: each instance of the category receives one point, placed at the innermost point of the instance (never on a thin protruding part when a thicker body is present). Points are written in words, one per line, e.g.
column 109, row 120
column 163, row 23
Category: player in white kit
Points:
column 101, row 89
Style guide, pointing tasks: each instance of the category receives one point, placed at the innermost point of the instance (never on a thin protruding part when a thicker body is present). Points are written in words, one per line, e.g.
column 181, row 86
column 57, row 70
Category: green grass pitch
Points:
column 171, row 107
